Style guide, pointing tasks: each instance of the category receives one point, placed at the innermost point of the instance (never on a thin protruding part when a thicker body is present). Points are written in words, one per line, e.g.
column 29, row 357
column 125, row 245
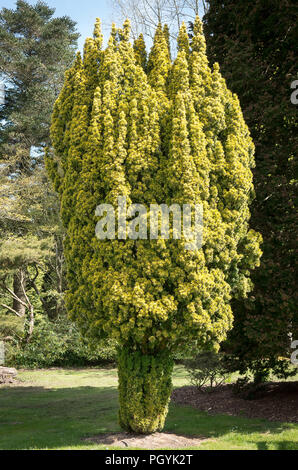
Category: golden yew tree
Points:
column 155, row 132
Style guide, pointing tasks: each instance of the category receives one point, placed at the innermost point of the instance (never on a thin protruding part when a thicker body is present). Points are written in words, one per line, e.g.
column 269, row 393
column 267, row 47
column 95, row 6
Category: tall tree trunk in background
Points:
column 31, row 322
column 19, row 276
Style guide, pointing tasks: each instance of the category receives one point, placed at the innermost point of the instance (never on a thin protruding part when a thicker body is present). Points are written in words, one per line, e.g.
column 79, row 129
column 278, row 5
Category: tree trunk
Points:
column 145, row 386
column 31, row 321
column 17, row 288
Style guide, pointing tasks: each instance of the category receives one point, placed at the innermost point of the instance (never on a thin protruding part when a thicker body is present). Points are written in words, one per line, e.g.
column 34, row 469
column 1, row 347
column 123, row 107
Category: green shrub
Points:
column 207, row 371
column 58, row 344
column 11, row 326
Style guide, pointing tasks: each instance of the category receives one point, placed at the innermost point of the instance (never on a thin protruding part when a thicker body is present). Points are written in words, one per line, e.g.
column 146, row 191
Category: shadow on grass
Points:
column 41, row 418
column 279, row 445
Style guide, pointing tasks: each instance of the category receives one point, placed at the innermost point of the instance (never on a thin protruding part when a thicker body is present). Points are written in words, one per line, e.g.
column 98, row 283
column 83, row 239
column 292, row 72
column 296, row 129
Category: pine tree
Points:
column 35, row 51
column 146, row 137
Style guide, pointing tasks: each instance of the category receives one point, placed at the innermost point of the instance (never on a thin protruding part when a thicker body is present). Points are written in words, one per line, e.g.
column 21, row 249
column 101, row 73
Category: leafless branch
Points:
column 9, row 291
column 11, row 310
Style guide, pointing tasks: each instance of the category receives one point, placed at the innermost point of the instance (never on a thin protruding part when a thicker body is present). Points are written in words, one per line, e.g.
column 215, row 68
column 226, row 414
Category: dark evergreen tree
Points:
column 256, row 45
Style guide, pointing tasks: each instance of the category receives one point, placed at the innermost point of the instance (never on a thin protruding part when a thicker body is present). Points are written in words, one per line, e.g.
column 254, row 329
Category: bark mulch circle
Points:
column 149, row 442
column 276, row 401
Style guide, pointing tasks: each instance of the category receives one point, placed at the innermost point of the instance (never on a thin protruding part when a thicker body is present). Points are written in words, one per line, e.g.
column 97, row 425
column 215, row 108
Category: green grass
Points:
column 57, row 409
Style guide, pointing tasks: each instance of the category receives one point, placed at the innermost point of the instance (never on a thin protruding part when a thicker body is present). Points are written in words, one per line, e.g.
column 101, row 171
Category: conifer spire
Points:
column 159, row 63
column 140, row 51
column 91, row 59
column 198, row 42
column 124, row 33
column 200, row 72
column 166, row 33
column 183, row 40
column 97, row 34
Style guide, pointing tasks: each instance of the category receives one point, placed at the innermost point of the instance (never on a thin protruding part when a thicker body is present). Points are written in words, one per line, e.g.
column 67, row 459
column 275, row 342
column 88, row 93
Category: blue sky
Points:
column 84, row 12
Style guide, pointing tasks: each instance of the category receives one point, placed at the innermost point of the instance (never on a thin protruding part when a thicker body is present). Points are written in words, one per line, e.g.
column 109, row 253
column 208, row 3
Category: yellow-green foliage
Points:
column 145, row 386
column 171, row 133
column 140, row 51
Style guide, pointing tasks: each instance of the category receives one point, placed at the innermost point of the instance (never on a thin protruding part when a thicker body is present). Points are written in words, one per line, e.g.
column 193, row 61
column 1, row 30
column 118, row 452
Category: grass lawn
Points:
column 57, row 409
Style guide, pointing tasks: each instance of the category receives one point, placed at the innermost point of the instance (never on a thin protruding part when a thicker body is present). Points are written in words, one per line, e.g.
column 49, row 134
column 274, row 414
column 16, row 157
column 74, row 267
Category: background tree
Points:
column 174, row 135
column 27, row 254
column 28, row 223
column 256, row 47
column 35, row 50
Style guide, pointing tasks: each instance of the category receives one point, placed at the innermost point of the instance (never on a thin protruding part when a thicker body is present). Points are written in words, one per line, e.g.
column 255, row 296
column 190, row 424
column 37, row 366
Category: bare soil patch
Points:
column 149, row 442
column 276, row 401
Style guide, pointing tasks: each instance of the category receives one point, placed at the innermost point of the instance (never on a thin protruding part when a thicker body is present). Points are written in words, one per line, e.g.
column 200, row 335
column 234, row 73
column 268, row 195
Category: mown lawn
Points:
column 57, row 409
